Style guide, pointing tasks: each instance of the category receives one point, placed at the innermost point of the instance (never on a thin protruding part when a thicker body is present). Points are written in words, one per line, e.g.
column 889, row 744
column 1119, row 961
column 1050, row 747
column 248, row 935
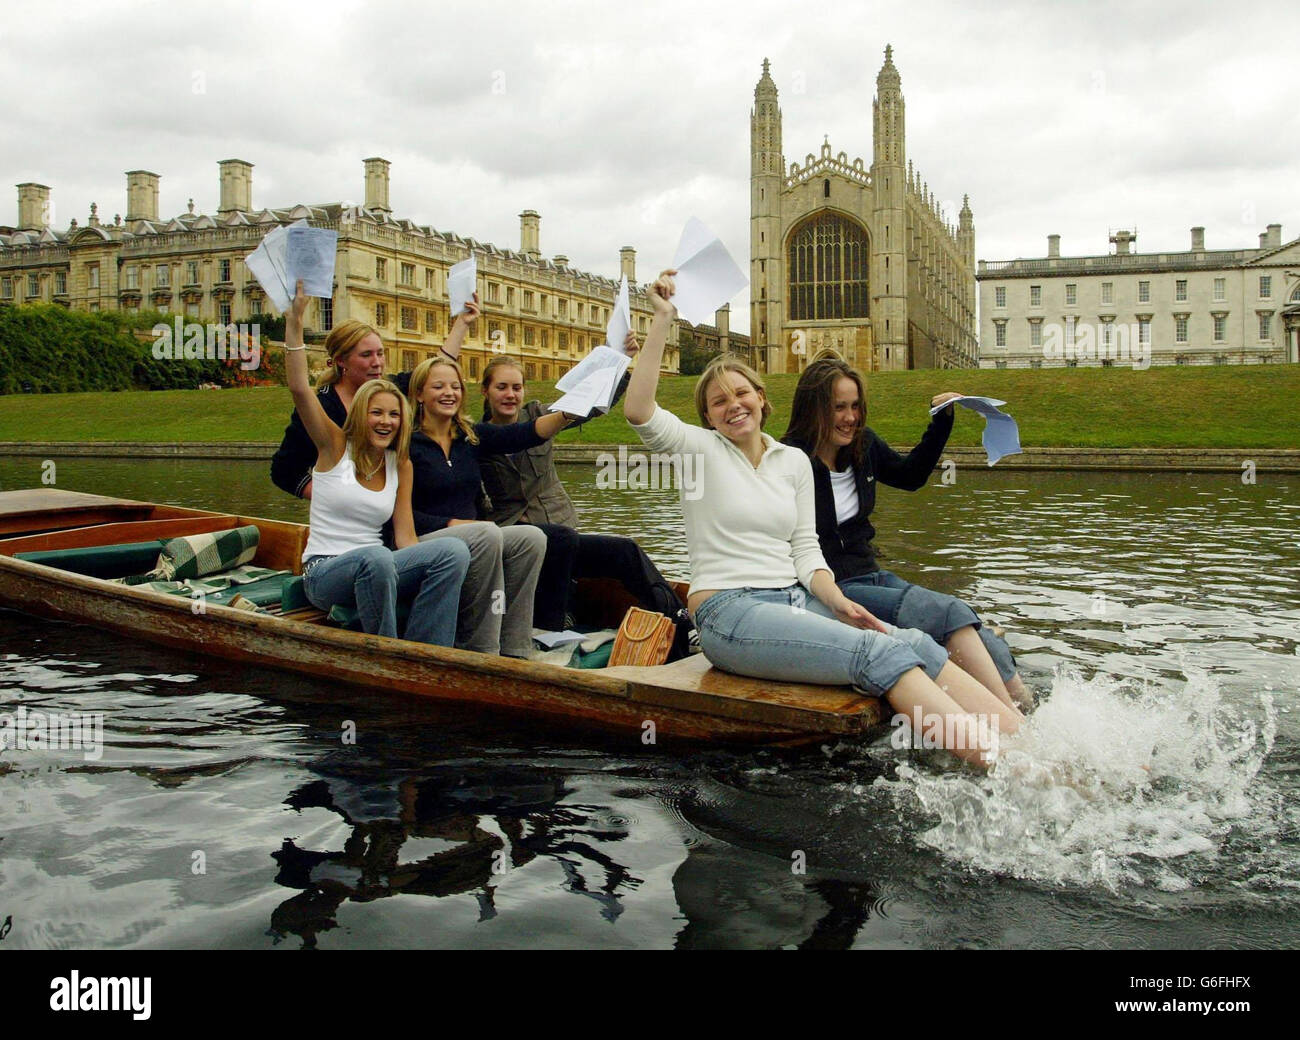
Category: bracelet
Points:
column 303, row 347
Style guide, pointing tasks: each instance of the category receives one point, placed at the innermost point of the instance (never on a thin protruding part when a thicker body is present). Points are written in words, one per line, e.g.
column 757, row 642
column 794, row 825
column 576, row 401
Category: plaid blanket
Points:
column 207, row 585
column 197, row 555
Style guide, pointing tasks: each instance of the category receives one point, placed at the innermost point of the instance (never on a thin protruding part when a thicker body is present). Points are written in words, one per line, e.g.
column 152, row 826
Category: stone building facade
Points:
column 1194, row 307
column 858, row 257
column 389, row 272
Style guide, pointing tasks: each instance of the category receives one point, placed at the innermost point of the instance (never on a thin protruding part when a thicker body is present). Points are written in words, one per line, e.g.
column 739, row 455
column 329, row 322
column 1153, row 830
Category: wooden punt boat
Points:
column 687, row 699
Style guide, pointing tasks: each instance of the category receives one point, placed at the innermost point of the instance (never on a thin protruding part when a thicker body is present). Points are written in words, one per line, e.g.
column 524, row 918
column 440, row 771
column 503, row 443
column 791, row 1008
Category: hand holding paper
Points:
column 707, row 276
column 288, row 254
column 1001, row 434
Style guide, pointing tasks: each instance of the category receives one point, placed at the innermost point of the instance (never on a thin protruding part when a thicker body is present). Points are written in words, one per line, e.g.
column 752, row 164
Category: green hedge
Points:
column 45, row 348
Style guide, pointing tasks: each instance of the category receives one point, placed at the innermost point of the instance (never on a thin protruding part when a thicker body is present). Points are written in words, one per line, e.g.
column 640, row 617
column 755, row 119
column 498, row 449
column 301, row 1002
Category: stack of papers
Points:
column 290, row 253
column 707, row 277
column 461, row 280
column 591, row 384
column 1001, row 434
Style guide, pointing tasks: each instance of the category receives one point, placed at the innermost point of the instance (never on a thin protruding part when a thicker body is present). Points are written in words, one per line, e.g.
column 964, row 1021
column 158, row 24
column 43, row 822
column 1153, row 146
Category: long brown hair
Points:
column 355, row 428
column 500, row 361
column 812, row 412
column 340, row 342
column 416, row 387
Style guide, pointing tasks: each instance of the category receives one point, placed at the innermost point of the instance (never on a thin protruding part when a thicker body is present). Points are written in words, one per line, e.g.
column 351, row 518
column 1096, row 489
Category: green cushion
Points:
column 293, row 596
column 264, row 593
column 99, row 561
column 598, row 658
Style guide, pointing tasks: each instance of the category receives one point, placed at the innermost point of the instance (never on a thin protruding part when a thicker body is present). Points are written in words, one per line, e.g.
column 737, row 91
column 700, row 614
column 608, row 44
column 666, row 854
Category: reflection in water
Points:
column 1152, row 801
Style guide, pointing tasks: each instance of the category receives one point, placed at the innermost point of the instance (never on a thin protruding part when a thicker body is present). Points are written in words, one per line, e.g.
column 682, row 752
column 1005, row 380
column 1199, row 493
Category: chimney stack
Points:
column 560, row 260
column 530, row 234
column 377, row 184
column 236, row 186
column 1274, row 236
column 1053, row 246
column 627, row 264
column 1263, row 240
column 141, row 195
column 33, row 206
column 1198, row 240
column 1122, row 240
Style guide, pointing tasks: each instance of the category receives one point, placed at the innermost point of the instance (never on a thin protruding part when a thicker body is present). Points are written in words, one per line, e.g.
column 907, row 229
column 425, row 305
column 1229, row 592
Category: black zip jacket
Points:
column 848, row 546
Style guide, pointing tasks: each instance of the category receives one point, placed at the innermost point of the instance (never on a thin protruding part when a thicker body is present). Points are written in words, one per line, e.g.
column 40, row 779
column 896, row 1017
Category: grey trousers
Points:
column 496, row 599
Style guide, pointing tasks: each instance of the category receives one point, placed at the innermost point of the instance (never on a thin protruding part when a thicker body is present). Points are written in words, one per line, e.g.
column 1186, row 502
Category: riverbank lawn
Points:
column 1192, row 407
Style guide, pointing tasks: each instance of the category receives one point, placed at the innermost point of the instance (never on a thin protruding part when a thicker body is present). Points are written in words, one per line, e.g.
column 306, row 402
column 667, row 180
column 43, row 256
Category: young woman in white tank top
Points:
column 362, row 479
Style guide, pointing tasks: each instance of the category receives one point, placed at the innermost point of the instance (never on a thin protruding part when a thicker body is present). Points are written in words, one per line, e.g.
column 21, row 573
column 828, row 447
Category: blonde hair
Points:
column 356, row 429
column 728, row 363
column 341, row 341
column 416, row 387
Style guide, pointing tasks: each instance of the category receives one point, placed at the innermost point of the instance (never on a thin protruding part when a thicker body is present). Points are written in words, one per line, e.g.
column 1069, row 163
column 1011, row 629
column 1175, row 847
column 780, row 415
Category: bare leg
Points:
column 967, row 652
column 916, row 691
column 1020, row 693
column 977, row 700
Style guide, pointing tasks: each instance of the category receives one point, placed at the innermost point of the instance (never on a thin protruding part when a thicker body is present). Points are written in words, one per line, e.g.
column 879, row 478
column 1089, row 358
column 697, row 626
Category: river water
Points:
column 1153, row 800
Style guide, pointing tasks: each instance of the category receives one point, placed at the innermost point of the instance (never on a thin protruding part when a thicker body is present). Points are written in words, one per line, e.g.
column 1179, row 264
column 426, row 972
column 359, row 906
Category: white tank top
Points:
column 845, row 487
column 345, row 515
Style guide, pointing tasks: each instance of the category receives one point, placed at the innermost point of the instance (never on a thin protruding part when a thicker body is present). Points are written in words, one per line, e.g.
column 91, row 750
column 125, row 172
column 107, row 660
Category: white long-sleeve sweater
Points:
column 745, row 526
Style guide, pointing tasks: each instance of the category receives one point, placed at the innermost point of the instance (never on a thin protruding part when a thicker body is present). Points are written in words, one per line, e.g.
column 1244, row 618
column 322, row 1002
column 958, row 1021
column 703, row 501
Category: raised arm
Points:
column 327, row 437
column 459, row 327
column 639, row 405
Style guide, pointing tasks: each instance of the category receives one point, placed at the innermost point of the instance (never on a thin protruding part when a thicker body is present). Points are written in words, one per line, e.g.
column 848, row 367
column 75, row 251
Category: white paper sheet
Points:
column 595, row 394
column 620, row 318
column 260, row 266
column 461, row 280
column 551, row 640
column 707, row 276
column 309, row 255
column 1001, row 434
column 600, row 359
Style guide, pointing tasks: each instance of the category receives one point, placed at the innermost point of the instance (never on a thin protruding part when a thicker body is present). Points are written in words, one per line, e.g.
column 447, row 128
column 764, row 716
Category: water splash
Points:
column 1106, row 785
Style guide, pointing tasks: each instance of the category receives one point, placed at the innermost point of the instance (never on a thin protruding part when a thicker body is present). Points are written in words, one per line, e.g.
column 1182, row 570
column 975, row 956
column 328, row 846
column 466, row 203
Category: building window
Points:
column 327, row 313
column 546, row 372
column 1000, row 333
column 528, row 300
column 1035, row 333
column 1035, row 296
column 1107, row 292
column 408, row 274
column 562, row 309
column 1000, row 296
column 493, row 327
column 1107, row 336
column 1144, row 292
column 191, row 272
column 409, row 359
column 512, row 333
column 1180, row 289
column 6, row 289
column 381, row 315
column 1220, row 327
column 1071, row 294
column 1265, row 326
column 1180, row 328
column 410, row 319
column 92, row 276
column 530, row 335
column 828, row 258
column 223, row 312
column 60, row 283
column 494, row 292
column 1220, row 289
column 33, row 286
column 473, row 368
column 578, row 316
column 162, row 276
column 546, row 338
column 429, row 282
column 1265, row 286
column 641, row 325
column 510, row 295
column 563, row 340
column 191, row 308
column 1144, row 331
column 381, row 269
column 530, row 370
column 430, row 321
column 223, row 270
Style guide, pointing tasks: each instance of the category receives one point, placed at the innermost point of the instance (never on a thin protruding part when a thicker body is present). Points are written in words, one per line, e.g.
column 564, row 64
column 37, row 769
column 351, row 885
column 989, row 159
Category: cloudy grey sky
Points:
column 618, row 121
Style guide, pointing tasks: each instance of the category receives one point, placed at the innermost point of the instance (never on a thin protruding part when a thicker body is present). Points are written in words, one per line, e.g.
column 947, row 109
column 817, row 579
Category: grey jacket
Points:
column 524, row 487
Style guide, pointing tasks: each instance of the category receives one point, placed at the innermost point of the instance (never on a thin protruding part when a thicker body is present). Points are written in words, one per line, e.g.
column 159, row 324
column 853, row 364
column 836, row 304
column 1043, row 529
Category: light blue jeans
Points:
column 373, row 579
column 789, row 635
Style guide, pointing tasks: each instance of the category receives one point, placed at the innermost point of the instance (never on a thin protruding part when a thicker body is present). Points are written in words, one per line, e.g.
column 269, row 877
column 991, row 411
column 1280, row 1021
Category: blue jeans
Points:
column 373, row 579
column 789, row 635
column 938, row 615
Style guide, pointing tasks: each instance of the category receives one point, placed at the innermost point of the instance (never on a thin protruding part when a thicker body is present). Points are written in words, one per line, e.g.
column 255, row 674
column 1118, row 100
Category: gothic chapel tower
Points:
column 766, row 177
column 889, row 224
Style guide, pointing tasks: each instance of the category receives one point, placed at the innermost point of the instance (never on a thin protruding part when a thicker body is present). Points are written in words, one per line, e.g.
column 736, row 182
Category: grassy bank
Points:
column 1211, row 407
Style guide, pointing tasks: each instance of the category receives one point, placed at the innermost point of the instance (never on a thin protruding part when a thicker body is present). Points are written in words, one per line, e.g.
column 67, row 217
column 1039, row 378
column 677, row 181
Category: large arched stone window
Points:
column 828, row 270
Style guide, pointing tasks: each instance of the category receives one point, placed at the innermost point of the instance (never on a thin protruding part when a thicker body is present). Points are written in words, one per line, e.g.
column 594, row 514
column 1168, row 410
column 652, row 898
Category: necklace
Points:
column 378, row 467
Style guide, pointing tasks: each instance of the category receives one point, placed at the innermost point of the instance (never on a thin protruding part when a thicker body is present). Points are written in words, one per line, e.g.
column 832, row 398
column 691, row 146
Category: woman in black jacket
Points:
column 848, row 460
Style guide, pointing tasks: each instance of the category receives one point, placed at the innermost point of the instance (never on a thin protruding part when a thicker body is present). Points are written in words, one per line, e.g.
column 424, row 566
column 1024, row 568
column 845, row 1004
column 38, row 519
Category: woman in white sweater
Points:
column 754, row 553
